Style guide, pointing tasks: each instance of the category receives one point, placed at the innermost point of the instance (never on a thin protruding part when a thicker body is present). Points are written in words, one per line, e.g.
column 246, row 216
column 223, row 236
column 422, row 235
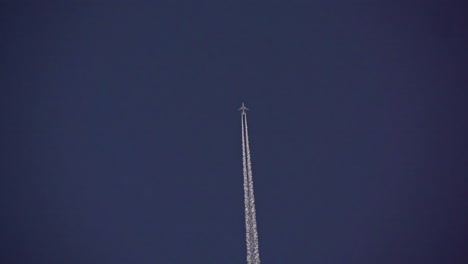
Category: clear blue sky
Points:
column 120, row 141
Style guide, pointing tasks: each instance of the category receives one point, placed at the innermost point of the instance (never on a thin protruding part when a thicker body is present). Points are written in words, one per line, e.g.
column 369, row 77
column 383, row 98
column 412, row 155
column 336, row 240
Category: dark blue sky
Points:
column 121, row 143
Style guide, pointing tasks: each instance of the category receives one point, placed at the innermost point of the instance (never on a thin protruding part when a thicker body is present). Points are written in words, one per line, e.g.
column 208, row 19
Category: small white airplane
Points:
column 243, row 108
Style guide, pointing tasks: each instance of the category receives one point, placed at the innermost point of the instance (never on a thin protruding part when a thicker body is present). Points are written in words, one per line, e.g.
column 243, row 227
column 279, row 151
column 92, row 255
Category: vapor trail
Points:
column 248, row 222
column 253, row 218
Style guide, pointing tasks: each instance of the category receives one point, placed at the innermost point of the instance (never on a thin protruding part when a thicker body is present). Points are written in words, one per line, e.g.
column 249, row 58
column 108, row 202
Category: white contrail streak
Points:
column 253, row 256
column 253, row 218
column 246, row 198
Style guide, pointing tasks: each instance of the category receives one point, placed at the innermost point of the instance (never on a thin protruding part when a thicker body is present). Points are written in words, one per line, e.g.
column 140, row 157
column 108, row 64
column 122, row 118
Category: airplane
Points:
column 243, row 108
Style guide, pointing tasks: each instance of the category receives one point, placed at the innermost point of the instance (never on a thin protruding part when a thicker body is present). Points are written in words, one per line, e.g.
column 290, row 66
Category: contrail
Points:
column 253, row 256
column 256, row 254
column 246, row 197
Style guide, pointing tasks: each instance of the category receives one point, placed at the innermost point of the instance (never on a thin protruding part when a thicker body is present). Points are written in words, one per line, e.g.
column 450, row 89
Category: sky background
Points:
column 120, row 141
